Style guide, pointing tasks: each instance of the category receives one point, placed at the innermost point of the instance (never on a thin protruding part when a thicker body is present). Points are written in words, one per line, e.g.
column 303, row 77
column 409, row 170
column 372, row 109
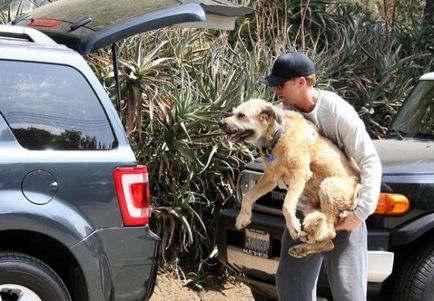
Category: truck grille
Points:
column 271, row 202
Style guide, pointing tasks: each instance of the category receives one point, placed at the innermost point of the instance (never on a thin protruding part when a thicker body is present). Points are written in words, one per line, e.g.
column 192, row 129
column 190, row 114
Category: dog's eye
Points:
column 240, row 115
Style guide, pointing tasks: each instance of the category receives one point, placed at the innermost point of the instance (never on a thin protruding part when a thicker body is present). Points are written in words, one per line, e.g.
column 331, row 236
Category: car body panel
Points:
column 119, row 263
column 57, row 219
column 427, row 76
column 406, row 157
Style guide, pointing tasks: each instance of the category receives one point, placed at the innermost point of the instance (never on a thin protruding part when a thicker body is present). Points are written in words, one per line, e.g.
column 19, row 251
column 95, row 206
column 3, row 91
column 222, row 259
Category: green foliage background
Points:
column 178, row 83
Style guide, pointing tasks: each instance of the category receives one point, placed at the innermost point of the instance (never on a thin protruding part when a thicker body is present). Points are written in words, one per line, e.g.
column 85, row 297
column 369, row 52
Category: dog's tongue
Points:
column 234, row 137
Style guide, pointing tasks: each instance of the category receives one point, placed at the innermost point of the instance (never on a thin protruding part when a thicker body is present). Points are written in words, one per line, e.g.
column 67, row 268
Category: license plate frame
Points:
column 257, row 242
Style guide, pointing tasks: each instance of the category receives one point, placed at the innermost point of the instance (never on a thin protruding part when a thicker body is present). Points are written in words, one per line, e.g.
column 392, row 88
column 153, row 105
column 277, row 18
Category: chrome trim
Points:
column 249, row 177
column 266, row 209
column 380, row 263
column 240, row 261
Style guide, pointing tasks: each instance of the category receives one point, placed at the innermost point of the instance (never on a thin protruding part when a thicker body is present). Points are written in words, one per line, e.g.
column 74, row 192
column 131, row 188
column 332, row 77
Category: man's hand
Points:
column 349, row 223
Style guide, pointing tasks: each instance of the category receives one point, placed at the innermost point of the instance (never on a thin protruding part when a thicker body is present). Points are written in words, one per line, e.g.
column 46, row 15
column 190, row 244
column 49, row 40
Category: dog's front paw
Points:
column 343, row 214
column 243, row 220
column 298, row 251
column 295, row 231
column 306, row 238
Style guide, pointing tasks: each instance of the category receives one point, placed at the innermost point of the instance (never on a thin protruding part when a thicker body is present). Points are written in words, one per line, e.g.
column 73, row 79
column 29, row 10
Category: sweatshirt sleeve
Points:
column 358, row 145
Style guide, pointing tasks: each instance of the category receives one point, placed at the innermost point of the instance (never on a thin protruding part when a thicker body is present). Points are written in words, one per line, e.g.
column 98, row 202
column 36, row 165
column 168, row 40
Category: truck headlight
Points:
column 245, row 181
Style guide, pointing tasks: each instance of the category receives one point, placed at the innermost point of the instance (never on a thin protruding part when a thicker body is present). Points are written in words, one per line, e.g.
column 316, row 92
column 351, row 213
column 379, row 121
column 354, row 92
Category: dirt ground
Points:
column 168, row 288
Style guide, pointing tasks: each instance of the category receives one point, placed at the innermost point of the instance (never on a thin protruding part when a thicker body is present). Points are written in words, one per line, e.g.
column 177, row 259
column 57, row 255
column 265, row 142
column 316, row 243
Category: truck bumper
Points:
column 260, row 272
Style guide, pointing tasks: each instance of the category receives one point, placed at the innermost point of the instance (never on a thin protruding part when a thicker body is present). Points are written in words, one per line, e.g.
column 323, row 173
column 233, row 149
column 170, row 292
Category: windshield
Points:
column 415, row 118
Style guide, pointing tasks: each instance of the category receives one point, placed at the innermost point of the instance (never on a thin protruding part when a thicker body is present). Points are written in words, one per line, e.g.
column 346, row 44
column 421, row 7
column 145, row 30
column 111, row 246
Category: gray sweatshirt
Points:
column 338, row 121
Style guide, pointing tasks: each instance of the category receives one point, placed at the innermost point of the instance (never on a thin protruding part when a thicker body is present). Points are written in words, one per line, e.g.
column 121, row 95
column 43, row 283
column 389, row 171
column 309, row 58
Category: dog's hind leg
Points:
column 339, row 193
column 297, row 180
column 316, row 226
column 303, row 250
column 337, row 196
column 354, row 198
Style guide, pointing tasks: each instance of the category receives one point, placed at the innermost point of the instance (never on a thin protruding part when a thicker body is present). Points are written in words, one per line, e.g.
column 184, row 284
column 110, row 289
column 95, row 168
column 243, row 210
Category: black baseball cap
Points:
column 287, row 66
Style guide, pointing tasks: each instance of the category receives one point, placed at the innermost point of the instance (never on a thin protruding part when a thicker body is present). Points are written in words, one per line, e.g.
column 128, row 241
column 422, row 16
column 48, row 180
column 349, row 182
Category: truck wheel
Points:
column 23, row 277
column 259, row 296
column 416, row 279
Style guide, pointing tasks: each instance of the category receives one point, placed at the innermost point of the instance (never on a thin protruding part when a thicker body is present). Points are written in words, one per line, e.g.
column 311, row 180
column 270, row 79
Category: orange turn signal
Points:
column 392, row 204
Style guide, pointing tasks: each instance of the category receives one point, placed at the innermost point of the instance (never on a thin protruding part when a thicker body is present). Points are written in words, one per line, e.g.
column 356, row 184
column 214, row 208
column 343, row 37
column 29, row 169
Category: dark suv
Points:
column 74, row 204
column 400, row 241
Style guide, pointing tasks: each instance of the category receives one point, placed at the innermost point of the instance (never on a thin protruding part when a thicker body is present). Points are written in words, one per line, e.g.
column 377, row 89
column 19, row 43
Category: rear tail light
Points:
column 43, row 22
column 132, row 188
column 392, row 204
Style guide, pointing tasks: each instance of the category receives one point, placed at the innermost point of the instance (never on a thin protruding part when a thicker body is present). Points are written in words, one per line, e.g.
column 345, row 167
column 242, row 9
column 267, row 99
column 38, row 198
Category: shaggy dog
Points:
column 322, row 181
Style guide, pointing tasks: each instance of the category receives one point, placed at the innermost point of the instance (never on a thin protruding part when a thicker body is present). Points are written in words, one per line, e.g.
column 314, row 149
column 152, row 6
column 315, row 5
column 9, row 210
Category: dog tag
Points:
column 271, row 158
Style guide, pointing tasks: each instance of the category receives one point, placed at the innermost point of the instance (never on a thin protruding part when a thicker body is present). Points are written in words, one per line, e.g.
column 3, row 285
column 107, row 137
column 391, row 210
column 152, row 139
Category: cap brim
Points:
column 273, row 81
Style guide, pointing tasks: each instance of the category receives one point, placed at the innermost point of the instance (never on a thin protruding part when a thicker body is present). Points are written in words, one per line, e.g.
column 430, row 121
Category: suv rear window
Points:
column 52, row 107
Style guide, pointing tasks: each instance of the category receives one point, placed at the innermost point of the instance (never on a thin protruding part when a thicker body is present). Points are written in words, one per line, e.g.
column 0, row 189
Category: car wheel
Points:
column 260, row 296
column 415, row 281
column 23, row 277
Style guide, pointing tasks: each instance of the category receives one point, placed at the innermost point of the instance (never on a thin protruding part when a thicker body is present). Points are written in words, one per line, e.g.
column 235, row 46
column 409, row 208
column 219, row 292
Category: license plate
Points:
column 257, row 243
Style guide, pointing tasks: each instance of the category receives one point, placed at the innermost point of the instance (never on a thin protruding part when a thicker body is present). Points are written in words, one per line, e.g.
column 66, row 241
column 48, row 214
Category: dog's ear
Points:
column 270, row 113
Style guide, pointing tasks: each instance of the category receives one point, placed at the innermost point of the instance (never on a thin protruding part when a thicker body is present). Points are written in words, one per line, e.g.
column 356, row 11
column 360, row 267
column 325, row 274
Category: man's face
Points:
column 289, row 91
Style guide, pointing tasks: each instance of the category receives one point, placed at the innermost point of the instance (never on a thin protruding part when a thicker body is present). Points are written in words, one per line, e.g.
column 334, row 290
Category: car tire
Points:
column 259, row 296
column 23, row 276
column 415, row 281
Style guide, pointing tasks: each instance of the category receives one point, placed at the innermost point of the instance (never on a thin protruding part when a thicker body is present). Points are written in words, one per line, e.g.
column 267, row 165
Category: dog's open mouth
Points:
column 235, row 136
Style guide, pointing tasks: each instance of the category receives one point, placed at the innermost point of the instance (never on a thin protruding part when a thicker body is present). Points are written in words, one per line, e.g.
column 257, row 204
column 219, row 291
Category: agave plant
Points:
column 11, row 9
column 173, row 95
column 7, row 13
column 193, row 168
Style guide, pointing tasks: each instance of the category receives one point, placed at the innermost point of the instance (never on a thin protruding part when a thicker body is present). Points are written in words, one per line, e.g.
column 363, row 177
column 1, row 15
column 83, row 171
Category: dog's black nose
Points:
column 222, row 124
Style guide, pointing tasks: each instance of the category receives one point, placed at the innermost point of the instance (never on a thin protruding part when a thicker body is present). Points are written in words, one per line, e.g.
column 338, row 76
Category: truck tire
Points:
column 259, row 296
column 25, row 277
column 415, row 281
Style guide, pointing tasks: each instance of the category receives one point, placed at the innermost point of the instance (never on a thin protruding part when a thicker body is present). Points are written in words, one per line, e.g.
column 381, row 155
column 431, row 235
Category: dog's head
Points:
column 254, row 122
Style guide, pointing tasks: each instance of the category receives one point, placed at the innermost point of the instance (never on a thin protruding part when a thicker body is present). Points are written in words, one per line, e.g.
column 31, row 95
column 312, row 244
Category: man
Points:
column 292, row 80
